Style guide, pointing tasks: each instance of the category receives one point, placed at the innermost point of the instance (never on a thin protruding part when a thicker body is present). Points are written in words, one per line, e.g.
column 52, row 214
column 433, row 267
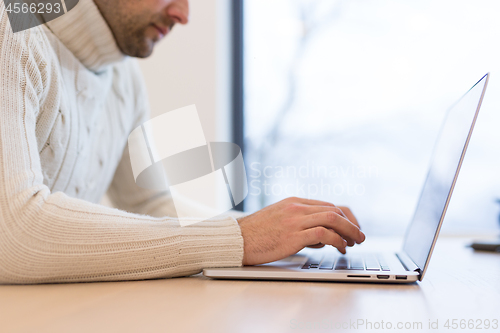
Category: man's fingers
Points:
column 316, row 246
column 309, row 210
column 309, row 206
column 339, row 224
column 350, row 216
column 341, row 210
column 304, row 209
column 324, row 236
column 312, row 202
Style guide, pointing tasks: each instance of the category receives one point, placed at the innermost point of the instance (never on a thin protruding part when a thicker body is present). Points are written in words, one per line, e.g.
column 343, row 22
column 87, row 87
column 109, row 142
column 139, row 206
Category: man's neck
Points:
column 84, row 31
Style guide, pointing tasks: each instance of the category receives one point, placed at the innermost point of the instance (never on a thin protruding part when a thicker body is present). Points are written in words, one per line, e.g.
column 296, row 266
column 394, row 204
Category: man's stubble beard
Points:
column 135, row 43
column 128, row 30
column 132, row 39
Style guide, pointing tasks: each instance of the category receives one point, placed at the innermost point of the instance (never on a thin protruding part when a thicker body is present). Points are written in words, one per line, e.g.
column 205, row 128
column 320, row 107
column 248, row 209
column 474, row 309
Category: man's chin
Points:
column 146, row 53
column 141, row 51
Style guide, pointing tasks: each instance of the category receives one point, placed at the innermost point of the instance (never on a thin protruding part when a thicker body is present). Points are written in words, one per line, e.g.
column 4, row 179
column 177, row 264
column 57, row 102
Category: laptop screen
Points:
column 445, row 165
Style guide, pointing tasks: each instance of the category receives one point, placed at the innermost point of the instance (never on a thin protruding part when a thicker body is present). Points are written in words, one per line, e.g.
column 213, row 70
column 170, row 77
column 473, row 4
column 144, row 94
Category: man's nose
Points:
column 178, row 10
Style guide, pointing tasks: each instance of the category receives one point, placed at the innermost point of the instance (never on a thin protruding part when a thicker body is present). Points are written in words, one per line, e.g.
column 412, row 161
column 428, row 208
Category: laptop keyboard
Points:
column 367, row 262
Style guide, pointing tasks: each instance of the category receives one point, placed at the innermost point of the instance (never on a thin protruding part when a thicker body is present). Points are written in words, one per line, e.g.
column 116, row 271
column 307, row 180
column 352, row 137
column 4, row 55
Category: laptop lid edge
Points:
column 422, row 270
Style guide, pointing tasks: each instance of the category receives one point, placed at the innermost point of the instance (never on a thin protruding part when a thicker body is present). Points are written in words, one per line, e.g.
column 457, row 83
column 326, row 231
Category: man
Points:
column 70, row 94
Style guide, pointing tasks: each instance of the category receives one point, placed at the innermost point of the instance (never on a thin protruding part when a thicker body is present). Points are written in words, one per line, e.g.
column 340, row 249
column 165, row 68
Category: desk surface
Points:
column 460, row 284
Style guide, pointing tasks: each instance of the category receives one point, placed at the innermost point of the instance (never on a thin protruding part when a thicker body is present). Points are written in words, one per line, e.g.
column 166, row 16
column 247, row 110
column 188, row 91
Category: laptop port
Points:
column 401, row 277
column 358, row 276
column 382, row 276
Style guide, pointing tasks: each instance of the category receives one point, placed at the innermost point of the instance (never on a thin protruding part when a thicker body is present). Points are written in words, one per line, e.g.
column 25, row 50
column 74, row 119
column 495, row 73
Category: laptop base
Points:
column 292, row 268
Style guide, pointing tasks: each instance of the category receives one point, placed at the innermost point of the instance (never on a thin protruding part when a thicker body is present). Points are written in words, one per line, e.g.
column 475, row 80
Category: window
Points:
column 343, row 101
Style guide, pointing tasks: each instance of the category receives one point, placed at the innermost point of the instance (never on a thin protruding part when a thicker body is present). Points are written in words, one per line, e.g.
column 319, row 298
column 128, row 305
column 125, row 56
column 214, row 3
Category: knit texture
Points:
column 68, row 101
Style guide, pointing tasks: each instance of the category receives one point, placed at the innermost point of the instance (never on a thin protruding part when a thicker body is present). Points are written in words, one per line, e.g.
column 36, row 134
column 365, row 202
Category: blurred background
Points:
column 341, row 100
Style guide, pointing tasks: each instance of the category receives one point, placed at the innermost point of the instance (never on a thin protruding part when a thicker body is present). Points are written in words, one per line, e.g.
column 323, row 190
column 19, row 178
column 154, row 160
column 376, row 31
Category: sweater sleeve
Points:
column 50, row 237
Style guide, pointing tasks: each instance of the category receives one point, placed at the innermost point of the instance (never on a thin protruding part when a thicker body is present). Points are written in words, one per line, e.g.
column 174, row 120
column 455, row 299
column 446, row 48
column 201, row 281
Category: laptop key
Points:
column 312, row 263
column 383, row 264
column 315, row 261
column 357, row 264
column 371, row 264
column 327, row 264
column 342, row 263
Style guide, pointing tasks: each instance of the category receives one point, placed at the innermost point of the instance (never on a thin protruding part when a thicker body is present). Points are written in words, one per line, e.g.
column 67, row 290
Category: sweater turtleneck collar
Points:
column 86, row 34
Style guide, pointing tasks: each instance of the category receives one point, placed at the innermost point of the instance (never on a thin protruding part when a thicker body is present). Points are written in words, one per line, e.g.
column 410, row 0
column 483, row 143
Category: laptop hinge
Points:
column 408, row 264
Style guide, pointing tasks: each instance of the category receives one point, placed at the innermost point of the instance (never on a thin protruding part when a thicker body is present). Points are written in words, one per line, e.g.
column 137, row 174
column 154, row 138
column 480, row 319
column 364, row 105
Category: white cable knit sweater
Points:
column 68, row 100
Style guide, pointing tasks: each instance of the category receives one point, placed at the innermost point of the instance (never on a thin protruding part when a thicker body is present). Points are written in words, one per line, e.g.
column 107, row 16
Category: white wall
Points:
column 192, row 66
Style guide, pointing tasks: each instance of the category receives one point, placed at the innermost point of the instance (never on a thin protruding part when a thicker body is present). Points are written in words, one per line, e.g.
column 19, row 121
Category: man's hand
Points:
column 284, row 228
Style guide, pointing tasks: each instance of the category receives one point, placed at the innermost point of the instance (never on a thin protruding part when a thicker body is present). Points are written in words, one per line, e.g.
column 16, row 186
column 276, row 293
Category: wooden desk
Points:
column 198, row 304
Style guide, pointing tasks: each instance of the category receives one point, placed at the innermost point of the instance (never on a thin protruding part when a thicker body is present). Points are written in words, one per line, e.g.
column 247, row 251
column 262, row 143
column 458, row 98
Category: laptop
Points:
column 410, row 263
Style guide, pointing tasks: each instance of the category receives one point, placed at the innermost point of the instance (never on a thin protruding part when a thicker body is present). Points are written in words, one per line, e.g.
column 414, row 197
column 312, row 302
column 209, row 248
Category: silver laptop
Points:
column 409, row 264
